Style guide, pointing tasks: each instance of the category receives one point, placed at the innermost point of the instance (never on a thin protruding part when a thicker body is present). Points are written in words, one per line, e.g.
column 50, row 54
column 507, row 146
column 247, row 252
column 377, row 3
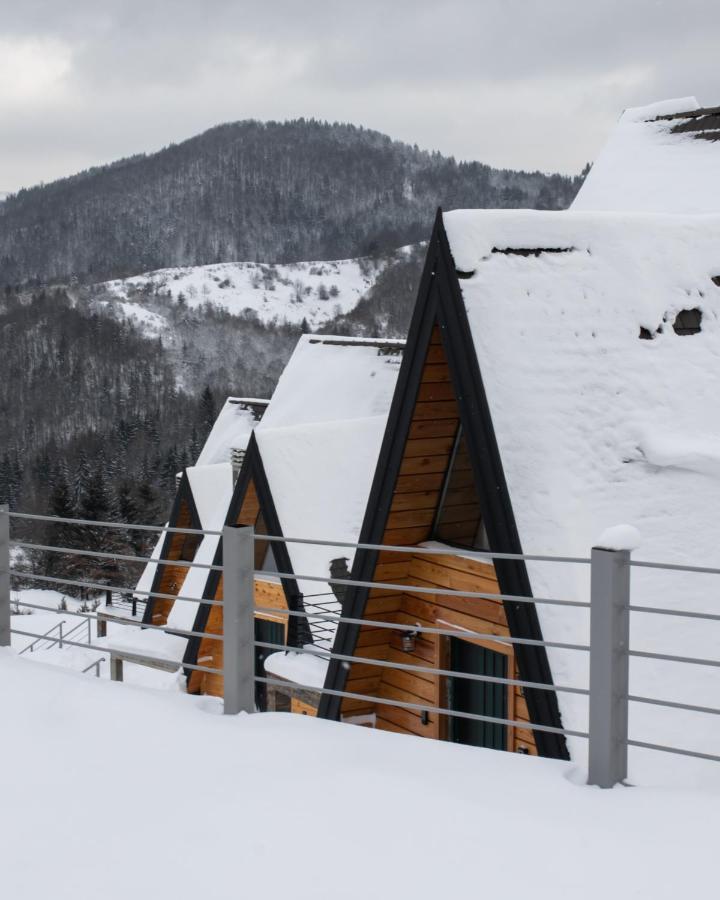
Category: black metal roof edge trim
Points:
column 386, row 472
column 251, row 472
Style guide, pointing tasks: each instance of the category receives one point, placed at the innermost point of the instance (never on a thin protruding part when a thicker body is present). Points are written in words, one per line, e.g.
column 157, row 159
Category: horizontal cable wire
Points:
column 667, row 657
column 672, row 704
column 442, row 551
column 674, row 567
column 117, row 589
column 423, row 629
column 418, row 589
column 689, row 614
column 100, row 648
column 449, row 551
column 402, row 704
column 664, row 749
column 123, row 621
column 157, row 529
column 411, row 667
column 73, row 551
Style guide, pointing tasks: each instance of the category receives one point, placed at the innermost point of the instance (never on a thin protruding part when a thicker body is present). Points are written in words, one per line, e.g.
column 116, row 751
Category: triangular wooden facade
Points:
column 251, row 504
column 168, row 578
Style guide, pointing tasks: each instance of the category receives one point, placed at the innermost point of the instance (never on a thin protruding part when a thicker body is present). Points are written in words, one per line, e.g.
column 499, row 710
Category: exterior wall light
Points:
column 408, row 641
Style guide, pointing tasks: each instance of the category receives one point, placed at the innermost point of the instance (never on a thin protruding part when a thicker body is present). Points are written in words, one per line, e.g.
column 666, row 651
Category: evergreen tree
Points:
column 207, row 413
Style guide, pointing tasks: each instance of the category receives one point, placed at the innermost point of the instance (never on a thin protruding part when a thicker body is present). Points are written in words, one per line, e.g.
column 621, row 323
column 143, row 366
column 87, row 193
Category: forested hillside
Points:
column 91, row 406
column 270, row 192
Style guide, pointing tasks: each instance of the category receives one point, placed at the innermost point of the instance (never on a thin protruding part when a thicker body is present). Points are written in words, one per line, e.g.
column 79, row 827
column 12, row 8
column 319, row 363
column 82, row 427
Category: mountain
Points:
column 277, row 191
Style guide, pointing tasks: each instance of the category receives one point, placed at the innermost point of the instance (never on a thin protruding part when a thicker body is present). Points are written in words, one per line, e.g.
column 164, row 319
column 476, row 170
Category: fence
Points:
column 609, row 647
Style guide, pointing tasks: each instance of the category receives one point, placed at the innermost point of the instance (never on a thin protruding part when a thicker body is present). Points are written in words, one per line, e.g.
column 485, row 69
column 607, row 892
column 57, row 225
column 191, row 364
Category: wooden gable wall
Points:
column 171, row 577
column 267, row 594
column 415, row 499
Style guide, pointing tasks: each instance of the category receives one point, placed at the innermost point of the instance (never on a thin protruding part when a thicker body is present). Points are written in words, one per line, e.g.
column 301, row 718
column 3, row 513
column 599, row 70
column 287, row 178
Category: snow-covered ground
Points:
column 109, row 789
column 314, row 291
column 76, row 658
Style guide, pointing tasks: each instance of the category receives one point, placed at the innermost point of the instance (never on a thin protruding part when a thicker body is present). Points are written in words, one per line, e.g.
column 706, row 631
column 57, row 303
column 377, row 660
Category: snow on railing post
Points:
column 238, row 620
column 609, row 644
column 4, row 576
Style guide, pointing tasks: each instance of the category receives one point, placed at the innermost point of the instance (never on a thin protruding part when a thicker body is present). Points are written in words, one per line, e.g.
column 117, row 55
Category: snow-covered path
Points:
column 117, row 791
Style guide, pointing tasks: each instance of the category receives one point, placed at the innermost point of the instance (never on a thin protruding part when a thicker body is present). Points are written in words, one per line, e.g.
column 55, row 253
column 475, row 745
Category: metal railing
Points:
column 45, row 638
column 94, row 665
column 609, row 647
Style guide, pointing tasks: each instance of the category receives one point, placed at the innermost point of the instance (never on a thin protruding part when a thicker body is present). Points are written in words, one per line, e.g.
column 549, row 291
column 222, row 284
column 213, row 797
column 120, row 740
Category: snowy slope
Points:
column 82, row 808
column 649, row 166
column 314, row 291
column 597, row 427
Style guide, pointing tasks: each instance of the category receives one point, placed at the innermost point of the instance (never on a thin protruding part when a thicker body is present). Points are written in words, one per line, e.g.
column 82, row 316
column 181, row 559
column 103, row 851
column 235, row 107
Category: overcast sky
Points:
column 519, row 84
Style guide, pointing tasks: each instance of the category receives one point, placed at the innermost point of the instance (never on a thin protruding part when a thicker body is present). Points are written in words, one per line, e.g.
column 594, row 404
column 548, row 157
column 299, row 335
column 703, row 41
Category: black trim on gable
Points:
column 182, row 495
column 440, row 301
column 252, row 472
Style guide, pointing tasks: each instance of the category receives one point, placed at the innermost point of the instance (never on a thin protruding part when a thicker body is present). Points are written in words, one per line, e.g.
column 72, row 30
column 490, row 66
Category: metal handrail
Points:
column 42, row 637
column 95, row 665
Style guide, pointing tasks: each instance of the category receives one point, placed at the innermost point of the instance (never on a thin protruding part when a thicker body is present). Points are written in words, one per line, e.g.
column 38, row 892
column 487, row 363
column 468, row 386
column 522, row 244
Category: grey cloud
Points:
column 514, row 83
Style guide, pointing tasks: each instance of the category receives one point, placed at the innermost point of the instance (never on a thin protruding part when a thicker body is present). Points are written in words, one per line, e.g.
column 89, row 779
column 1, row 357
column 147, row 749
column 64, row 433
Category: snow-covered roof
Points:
column 232, row 429
column 659, row 158
column 597, row 427
column 319, row 441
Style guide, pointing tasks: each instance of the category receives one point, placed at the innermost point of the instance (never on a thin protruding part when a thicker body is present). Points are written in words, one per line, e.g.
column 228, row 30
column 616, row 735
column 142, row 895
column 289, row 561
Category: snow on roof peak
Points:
column 320, row 440
column 596, row 425
column 657, row 160
column 659, row 108
column 211, row 487
column 231, row 430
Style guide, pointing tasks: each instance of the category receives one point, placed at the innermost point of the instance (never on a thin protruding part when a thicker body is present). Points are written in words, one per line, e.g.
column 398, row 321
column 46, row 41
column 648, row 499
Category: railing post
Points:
column 609, row 644
column 4, row 576
column 238, row 620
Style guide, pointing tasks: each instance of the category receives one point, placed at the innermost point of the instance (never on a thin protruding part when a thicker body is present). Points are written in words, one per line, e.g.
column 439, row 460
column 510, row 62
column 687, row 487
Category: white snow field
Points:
column 314, row 291
column 117, row 791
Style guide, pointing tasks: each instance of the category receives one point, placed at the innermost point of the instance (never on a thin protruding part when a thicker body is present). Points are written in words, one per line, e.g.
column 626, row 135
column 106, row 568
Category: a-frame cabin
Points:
column 307, row 474
column 440, row 479
column 560, row 378
column 251, row 504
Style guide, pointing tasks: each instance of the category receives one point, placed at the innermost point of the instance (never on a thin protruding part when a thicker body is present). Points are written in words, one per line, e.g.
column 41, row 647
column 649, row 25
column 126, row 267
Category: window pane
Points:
column 459, row 520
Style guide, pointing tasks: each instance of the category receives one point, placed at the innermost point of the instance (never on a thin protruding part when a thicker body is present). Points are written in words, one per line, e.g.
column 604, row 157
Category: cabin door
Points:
column 479, row 697
column 270, row 633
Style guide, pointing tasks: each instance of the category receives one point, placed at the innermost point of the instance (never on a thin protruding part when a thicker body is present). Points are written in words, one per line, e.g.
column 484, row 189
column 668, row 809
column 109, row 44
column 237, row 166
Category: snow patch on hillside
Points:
column 312, row 291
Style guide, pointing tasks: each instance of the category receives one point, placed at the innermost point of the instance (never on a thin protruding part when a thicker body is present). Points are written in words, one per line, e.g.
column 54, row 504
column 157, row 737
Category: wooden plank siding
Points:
column 172, row 577
column 267, row 594
column 410, row 521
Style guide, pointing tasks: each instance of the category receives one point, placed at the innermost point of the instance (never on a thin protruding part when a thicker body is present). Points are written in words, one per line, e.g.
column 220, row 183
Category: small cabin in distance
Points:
column 306, row 474
column 201, row 501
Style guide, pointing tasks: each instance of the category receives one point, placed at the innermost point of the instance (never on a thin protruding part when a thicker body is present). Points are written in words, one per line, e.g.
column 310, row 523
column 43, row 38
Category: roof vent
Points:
column 530, row 251
column 688, row 321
